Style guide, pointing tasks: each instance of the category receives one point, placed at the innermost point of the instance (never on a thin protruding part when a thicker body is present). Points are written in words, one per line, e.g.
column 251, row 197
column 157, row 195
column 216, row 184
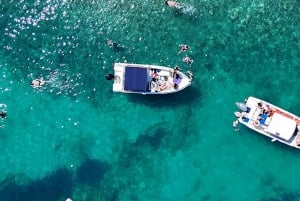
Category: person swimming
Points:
column 188, row 60
column 3, row 114
column 183, row 48
column 114, row 45
column 173, row 4
column 37, row 83
column 235, row 125
column 191, row 75
column 111, row 43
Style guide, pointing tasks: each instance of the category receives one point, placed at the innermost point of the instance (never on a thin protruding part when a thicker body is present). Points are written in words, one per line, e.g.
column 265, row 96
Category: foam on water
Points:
column 188, row 9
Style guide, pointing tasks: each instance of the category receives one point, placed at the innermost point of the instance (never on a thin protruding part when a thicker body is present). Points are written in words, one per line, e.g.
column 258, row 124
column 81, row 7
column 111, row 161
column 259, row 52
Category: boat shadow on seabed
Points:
column 185, row 97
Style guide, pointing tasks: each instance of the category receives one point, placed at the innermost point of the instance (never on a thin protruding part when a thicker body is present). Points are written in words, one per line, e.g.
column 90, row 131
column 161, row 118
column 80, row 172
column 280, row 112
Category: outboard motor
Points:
column 110, row 76
column 241, row 106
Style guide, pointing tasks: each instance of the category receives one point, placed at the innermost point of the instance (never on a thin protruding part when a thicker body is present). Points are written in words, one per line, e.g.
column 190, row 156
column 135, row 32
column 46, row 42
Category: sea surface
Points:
column 75, row 138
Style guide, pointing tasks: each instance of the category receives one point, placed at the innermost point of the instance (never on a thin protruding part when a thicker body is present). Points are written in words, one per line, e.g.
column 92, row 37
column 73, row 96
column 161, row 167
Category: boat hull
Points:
column 138, row 79
column 271, row 121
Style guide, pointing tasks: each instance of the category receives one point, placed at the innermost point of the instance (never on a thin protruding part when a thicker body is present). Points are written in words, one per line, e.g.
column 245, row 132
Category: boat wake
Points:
column 188, row 9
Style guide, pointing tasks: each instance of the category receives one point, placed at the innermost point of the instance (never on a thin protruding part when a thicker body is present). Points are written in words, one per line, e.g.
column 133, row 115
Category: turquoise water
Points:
column 75, row 138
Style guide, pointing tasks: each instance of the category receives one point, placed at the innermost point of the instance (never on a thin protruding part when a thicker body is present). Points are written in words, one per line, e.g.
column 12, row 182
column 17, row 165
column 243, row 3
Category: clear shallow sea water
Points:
column 75, row 138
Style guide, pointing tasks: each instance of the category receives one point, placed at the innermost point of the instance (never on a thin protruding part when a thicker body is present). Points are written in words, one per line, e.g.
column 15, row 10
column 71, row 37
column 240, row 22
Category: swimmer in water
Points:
column 37, row 83
column 2, row 114
column 111, row 43
column 183, row 48
column 114, row 45
column 173, row 4
column 235, row 125
column 191, row 75
column 188, row 60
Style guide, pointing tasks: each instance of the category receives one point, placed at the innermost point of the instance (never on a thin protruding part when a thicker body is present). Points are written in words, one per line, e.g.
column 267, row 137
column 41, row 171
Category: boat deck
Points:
column 271, row 121
column 148, row 79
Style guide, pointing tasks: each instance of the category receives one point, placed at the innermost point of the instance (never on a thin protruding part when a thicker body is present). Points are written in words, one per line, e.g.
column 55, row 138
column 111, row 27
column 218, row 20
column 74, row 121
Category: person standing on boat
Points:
column 175, row 71
column 176, row 81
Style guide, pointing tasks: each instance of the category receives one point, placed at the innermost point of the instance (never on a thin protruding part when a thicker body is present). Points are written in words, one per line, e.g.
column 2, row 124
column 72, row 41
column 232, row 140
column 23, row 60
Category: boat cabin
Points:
column 282, row 127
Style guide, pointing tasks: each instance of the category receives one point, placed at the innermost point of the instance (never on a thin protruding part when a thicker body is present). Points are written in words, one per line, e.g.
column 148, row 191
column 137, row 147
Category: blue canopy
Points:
column 136, row 79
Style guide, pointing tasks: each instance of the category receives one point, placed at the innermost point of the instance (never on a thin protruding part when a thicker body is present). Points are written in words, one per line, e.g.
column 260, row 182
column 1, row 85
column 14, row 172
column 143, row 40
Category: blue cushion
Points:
column 263, row 118
column 245, row 119
column 136, row 79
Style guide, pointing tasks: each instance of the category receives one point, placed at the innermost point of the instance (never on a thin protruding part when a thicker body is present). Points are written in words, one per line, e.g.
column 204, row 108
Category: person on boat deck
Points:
column 2, row 114
column 175, row 86
column 260, row 107
column 154, row 73
column 175, row 71
column 162, row 84
column 159, row 85
column 176, row 81
column 173, row 4
column 266, row 109
column 154, row 84
column 271, row 112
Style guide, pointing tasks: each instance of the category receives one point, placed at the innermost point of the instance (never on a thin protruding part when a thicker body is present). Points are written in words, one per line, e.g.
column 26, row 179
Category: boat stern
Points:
column 118, row 85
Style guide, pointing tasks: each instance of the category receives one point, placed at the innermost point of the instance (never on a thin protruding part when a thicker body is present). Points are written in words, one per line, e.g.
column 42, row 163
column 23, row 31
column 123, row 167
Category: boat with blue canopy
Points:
column 148, row 79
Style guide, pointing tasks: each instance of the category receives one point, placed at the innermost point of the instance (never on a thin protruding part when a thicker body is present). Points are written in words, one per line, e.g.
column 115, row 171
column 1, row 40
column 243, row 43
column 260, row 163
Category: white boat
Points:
column 147, row 79
column 270, row 120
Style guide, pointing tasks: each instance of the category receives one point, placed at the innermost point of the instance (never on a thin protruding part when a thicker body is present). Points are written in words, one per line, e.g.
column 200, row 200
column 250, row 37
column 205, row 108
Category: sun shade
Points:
column 136, row 79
